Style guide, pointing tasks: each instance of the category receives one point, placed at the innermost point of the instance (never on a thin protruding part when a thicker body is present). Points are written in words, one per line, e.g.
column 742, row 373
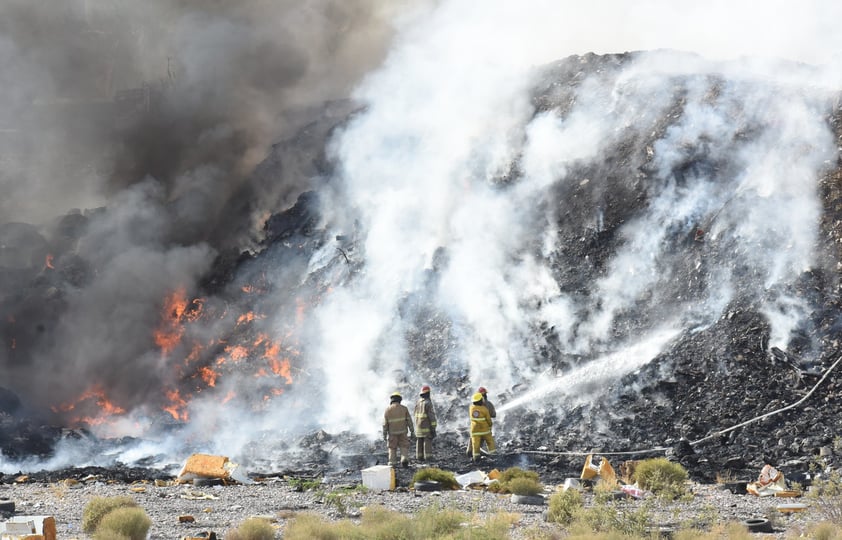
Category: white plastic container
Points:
column 379, row 477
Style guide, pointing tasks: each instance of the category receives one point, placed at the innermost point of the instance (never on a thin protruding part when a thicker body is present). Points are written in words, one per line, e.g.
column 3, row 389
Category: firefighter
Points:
column 480, row 427
column 396, row 423
column 425, row 421
column 488, row 405
column 491, row 411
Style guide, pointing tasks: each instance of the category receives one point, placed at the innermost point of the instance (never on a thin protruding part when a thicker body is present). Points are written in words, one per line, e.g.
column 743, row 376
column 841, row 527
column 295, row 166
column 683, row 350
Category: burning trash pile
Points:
column 638, row 251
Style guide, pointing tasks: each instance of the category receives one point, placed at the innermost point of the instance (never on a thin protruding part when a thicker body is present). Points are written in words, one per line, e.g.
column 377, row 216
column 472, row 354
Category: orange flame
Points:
column 48, row 262
column 107, row 408
column 237, row 352
column 248, row 317
column 177, row 407
column 168, row 335
column 209, row 376
column 271, row 352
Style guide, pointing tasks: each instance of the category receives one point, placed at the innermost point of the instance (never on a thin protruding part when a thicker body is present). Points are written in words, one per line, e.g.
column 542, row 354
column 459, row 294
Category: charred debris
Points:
column 709, row 378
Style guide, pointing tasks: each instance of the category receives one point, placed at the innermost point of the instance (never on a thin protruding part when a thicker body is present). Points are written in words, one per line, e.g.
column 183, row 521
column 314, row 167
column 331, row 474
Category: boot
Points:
column 405, row 462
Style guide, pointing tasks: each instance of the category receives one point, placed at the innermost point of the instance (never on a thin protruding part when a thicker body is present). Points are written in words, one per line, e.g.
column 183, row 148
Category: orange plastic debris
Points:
column 204, row 466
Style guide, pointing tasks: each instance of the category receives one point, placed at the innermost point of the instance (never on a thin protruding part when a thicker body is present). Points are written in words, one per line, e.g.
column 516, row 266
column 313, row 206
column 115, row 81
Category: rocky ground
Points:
column 220, row 508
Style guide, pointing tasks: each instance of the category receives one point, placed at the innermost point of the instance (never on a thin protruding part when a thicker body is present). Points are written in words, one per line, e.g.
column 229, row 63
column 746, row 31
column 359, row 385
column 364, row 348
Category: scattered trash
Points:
column 627, row 469
column 201, row 536
column 737, row 488
column 604, row 470
column 381, row 477
column 204, row 466
column 634, row 491
column 758, row 525
column 186, row 519
column 427, row 485
column 792, row 507
column 197, row 495
column 472, row 478
column 571, row 483
column 29, row 527
column 770, row 482
column 536, row 500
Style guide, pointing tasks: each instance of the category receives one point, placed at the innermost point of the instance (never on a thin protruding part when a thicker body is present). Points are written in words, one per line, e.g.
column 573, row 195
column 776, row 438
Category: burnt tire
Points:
column 758, row 525
column 427, row 485
column 528, row 499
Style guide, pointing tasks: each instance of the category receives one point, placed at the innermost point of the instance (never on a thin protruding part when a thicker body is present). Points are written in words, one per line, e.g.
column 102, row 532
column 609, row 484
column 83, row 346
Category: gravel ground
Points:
column 220, row 508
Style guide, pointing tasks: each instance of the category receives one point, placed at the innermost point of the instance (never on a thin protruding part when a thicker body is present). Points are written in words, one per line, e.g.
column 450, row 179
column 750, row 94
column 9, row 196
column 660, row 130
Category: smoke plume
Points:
column 457, row 190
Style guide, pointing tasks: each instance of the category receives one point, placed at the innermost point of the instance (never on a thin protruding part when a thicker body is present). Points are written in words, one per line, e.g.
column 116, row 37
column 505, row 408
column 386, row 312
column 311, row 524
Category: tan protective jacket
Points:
column 396, row 420
column 425, row 417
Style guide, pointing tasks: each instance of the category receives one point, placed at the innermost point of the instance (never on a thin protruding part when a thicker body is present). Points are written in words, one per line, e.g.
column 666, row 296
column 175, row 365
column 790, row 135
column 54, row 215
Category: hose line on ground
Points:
column 694, row 443
column 776, row 411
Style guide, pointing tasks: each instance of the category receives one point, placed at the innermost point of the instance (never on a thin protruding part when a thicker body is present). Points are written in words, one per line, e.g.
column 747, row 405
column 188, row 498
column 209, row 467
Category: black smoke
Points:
column 129, row 137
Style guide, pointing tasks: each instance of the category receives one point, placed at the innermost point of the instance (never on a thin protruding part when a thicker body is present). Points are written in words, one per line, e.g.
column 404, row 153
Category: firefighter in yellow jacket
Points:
column 480, row 427
column 396, row 424
column 425, row 421
column 491, row 411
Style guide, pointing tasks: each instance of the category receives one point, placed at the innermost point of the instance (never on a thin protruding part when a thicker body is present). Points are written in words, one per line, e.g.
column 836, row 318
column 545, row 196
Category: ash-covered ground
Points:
column 682, row 301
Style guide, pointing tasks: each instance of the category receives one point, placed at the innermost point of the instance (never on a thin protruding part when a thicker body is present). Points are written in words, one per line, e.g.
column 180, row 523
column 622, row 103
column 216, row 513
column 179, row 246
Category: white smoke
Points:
column 449, row 113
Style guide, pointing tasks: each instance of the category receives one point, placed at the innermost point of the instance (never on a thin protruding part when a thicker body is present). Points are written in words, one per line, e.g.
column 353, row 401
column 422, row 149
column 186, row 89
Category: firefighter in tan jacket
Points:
column 396, row 423
column 480, row 427
column 425, row 421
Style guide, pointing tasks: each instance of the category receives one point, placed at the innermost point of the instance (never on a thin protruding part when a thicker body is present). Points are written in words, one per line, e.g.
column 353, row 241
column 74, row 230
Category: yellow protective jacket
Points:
column 425, row 417
column 396, row 420
column 480, row 420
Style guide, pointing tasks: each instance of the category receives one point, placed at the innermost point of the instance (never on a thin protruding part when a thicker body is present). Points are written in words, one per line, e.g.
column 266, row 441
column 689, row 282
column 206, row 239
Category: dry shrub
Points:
column 252, row 529
column 825, row 531
column 380, row 522
column 564, row 506
column 825, row 496
column 525, row 486
column 662, row 477
column 110, row 535
column 131, row 522
column 503, row 483
column 445, row 478
column 383, row 524
column 607, row 518
column 433, row 522
column 729, row 531
column 98, row 507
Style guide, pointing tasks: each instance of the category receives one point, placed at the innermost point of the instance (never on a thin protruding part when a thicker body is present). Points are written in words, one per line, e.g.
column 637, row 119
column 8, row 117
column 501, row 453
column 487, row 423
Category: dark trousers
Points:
column 424, row 448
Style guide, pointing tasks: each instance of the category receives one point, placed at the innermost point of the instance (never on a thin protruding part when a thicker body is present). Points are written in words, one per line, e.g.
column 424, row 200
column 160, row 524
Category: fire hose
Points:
column 711, row 436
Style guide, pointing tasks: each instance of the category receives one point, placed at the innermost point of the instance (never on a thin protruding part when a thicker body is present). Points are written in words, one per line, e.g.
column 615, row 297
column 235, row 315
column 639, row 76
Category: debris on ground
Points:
column 200, row 467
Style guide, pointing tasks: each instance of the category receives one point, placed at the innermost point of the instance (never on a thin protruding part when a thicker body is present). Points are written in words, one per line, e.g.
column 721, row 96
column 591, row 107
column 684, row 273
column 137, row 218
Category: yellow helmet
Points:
column 476, row 397
column 396, row 395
